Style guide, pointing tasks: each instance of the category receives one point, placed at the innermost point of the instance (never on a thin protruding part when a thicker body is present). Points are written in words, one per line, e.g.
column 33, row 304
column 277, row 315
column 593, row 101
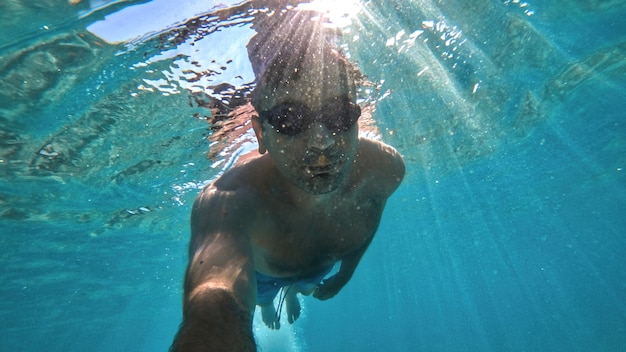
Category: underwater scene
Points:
column 508, row 232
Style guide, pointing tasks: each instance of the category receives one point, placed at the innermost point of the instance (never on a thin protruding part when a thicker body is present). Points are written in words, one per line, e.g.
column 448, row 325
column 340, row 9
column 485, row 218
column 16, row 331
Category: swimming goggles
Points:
column 293, row 118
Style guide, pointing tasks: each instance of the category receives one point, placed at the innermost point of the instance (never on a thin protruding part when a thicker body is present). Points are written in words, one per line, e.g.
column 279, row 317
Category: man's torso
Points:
column 289, row 240
column 296, row 243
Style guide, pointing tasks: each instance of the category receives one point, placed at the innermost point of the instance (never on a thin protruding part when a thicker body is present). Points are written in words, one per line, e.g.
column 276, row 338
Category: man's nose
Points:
column 320, row 137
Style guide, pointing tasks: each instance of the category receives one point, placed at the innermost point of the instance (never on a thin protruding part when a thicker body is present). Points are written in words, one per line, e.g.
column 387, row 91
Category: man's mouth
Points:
column 320, row 166
column 320, row 170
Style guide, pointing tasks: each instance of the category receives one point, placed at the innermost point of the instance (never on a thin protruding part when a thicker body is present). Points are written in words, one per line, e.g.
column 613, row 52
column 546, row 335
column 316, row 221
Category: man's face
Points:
column 310, row 130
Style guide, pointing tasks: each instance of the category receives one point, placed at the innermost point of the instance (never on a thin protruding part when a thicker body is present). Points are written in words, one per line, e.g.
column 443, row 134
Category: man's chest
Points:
column 292, row 242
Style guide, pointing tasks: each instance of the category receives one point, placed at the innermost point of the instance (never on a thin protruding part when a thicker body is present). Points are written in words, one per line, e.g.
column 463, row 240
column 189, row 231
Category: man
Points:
column 313, row 196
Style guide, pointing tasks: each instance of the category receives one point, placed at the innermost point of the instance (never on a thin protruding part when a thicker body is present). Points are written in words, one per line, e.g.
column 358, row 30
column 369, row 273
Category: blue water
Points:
column 508, row 233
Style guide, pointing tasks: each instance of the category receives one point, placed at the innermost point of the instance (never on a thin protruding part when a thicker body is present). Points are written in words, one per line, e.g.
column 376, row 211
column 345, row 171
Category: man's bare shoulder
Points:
column 231, row 197
column 381, row 163
column 243, row 177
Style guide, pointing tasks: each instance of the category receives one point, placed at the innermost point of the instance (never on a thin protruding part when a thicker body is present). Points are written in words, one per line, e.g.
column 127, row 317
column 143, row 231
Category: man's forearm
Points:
column 350, row 263
column 214, row 322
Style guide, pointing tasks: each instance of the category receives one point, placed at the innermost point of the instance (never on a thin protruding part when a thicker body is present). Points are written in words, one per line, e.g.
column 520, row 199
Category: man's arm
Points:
column 385, row 169
column 220, row 286
column 331, row 286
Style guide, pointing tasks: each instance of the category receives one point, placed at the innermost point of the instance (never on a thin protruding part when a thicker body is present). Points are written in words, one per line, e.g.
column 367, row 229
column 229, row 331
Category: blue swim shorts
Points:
column 268, row 286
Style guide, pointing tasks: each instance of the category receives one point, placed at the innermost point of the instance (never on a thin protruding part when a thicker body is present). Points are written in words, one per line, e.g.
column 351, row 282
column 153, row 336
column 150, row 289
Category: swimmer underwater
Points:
column 280, row 219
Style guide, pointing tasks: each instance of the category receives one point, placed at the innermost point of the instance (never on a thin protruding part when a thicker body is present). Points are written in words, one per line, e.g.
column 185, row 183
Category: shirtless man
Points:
column 312, row 197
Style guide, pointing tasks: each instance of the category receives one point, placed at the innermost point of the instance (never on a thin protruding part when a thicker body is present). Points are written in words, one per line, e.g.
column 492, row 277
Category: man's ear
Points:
column 258, row 131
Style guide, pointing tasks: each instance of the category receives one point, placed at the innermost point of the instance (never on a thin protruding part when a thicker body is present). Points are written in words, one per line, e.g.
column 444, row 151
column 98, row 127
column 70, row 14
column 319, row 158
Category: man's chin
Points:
column 321, row 184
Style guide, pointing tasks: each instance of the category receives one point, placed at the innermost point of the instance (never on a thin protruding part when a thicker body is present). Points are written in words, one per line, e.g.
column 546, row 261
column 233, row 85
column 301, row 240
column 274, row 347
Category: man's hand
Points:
column 330, row 287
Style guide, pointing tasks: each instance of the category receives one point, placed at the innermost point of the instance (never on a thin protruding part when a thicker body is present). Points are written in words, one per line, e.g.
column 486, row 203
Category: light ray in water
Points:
column 430, row 54
column 339, row 13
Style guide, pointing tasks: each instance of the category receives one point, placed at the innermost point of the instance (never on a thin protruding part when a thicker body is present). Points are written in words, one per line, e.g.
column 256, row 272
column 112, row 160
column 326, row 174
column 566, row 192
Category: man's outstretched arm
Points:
column 220, row 286
column 216, row 322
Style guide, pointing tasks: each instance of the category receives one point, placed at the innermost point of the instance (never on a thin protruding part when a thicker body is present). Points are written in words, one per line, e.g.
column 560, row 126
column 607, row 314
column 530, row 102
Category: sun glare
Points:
column 339, row 13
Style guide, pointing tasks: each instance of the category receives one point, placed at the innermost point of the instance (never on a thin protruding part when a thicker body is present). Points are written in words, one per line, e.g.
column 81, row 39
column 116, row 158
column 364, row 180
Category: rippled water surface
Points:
column 508, row 233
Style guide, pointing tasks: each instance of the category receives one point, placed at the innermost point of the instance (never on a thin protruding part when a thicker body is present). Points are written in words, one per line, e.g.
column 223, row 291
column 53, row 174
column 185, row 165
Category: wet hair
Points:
column 289, row 42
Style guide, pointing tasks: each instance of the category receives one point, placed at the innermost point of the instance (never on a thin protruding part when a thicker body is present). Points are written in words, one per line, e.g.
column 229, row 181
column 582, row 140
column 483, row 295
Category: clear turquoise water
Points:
column 508, row 233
